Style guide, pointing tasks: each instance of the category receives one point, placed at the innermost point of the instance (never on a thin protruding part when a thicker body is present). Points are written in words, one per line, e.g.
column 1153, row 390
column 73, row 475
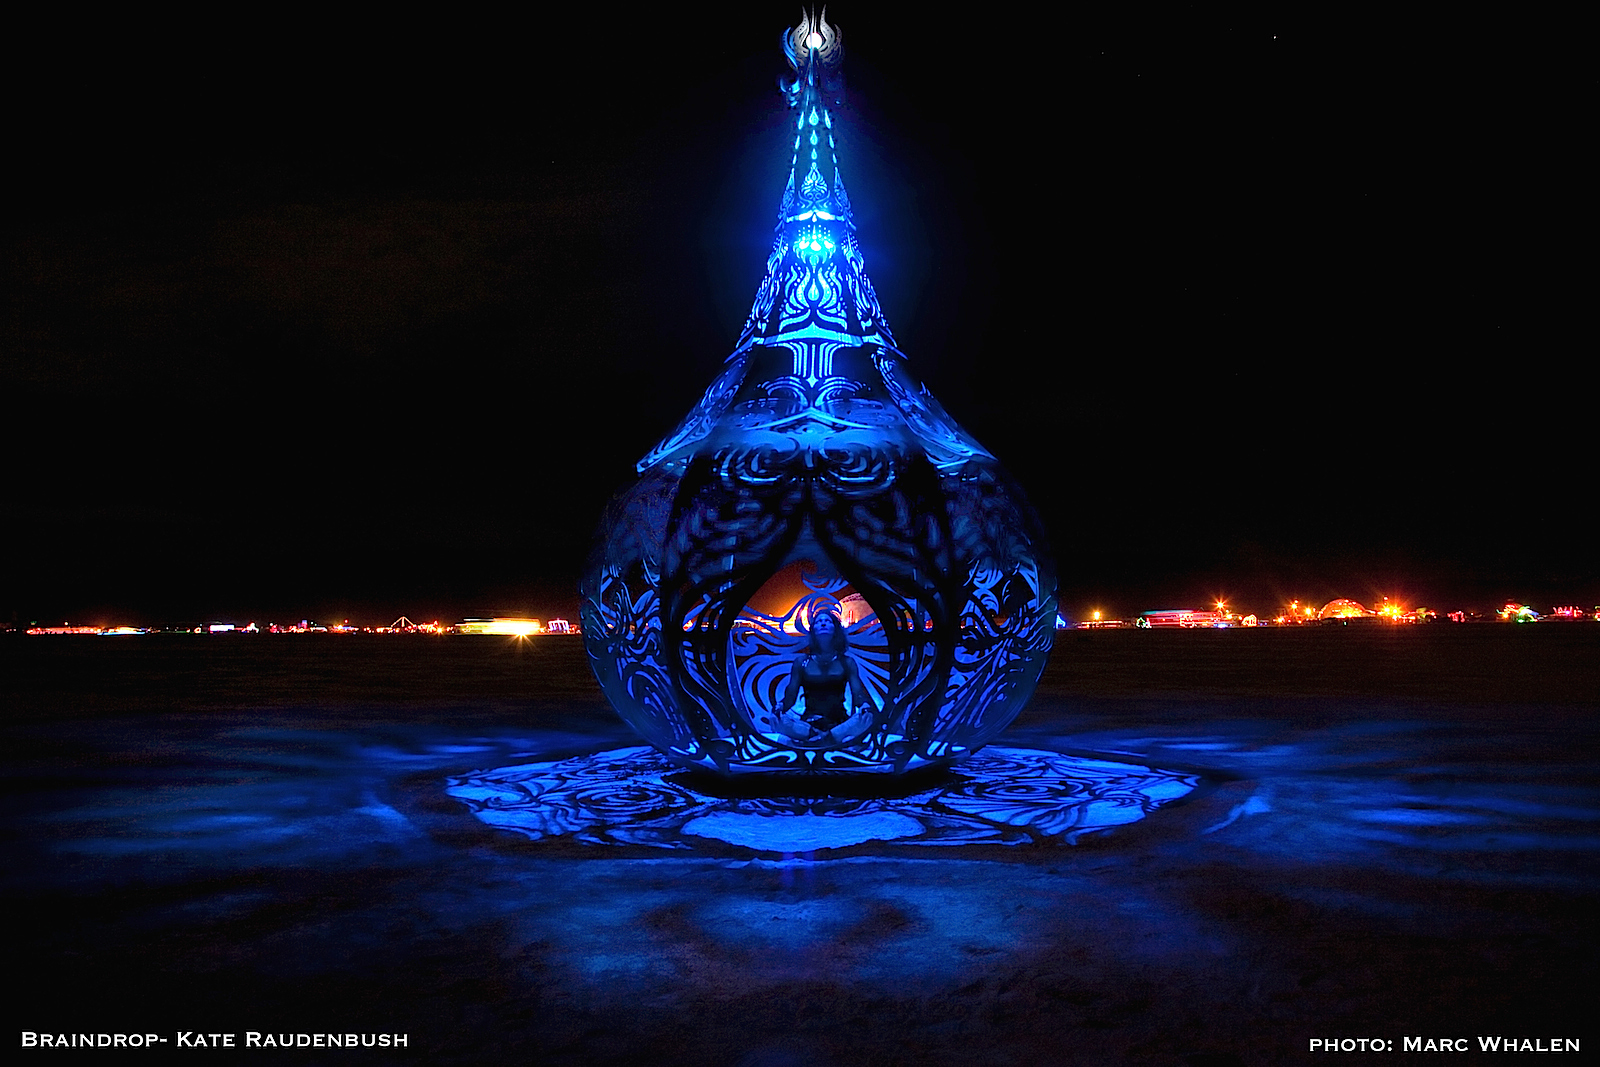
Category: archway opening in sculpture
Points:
column 773, row 634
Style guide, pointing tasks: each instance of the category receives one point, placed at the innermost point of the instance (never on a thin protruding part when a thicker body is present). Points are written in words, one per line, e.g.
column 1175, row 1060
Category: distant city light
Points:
column 1180, row 618
column 854, row 608
column 1343, row 608
column 503, row 627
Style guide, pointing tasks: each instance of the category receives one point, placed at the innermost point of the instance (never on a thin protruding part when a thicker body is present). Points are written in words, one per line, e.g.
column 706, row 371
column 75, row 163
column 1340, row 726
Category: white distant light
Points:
column 503, row 627
column 814, row 41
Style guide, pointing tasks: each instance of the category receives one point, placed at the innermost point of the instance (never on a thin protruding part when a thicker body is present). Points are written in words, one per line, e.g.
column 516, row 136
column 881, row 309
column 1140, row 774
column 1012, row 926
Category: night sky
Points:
column 353, row 320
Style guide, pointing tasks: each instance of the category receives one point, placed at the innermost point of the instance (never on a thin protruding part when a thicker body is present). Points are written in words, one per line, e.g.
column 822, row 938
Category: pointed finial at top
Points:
column 815, row 49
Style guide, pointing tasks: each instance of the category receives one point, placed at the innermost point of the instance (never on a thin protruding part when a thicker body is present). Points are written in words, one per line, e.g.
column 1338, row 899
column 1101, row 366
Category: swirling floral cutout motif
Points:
column 635, row 796
column 998, row 641
column 839, row 194
column 767, row 292
column 632, row 632
column 814, row 190
column 824, row 296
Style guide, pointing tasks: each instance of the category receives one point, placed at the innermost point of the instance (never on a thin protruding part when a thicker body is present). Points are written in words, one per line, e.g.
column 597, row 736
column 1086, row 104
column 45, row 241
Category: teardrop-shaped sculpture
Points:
column 818, row 570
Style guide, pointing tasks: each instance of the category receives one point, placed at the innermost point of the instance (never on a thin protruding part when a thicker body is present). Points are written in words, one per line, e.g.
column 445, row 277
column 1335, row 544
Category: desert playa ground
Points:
column 1396, row 836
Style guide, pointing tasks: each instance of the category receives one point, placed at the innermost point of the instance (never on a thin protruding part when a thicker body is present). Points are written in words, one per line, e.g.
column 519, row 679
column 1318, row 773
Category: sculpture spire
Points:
column 816, row 286
column 815, row 355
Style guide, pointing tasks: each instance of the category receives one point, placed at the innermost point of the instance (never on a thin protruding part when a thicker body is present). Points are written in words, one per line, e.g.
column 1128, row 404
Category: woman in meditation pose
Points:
column 827, row 672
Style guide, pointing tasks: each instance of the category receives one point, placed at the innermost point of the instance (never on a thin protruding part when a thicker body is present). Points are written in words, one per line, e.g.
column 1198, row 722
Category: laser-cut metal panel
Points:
column 817, row 445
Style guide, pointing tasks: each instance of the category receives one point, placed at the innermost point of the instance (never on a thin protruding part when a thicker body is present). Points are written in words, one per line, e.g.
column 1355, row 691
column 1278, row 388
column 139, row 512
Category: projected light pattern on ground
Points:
column 635, row 796
column 817, row 445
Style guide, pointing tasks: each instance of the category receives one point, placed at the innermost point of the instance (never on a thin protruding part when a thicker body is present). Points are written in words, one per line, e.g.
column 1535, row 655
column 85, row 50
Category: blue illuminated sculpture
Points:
column 818, row 571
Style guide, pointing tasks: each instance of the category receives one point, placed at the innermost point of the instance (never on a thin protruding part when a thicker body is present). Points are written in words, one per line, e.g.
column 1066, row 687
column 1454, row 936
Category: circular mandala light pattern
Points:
column 636, row 796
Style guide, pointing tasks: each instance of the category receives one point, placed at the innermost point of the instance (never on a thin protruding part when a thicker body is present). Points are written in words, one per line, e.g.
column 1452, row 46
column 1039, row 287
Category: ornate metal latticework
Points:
column 817, row 449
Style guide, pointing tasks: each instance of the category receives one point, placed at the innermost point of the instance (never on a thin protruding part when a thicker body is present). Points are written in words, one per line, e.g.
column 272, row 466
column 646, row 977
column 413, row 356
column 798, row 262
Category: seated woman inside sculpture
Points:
column 826, row 672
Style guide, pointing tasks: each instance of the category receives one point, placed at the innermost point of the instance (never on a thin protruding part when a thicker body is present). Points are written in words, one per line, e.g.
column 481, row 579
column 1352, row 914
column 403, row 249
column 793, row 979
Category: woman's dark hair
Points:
column 841, row 640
